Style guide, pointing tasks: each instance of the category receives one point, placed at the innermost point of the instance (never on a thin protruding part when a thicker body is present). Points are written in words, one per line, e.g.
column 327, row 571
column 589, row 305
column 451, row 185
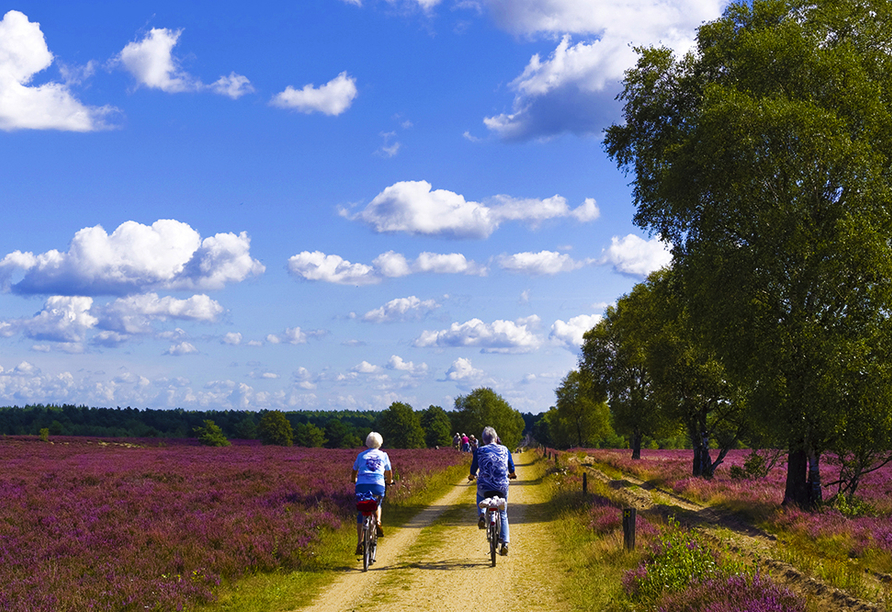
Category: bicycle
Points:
column 367, row 504
column 492, row 505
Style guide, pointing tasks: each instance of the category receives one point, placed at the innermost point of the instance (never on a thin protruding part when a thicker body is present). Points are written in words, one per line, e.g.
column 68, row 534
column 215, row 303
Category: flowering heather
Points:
column 829, row 530
column 733, row 594
column 92, row 525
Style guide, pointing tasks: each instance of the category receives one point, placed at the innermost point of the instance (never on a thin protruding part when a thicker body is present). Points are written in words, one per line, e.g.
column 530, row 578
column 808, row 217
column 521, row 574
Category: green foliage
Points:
column 484, row 407
column 308, row 435
column 754, row 466
column 245, row 429
column 401, row 426
column 274, row 428
column 339, row 435
column 681, row 558
column 583, row 417
column 45, row 434
column 437, row 427
column 210, row 434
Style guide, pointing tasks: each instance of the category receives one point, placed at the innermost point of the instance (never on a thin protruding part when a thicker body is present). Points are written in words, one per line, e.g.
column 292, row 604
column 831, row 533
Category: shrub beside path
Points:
column 440, row 560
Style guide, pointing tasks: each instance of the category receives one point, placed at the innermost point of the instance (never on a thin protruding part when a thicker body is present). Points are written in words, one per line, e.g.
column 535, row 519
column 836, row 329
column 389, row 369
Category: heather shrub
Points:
column 732, row 594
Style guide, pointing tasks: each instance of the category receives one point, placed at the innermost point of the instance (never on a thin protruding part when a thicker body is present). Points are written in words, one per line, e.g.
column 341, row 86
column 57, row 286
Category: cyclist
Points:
column 496, row 467
column 371, row 471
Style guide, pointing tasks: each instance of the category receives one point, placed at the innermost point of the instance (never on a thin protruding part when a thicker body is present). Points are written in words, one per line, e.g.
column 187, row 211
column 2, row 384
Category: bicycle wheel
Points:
column 373, row 543
column 366, row 543
column 494, row 528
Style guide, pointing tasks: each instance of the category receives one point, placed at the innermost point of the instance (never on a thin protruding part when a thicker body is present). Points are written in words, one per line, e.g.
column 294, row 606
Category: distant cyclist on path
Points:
column 495, row 467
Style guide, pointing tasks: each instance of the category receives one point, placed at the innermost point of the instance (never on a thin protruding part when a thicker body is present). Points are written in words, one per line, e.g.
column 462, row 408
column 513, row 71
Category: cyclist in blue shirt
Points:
column 371, row 471
column 496, row 467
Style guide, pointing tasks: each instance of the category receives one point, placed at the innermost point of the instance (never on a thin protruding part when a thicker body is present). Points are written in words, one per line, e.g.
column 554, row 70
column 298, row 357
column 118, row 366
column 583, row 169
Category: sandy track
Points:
column 440, row 560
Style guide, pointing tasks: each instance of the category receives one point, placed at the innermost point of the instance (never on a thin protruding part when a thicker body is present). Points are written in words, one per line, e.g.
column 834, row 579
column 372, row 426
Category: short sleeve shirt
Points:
column 370, row 466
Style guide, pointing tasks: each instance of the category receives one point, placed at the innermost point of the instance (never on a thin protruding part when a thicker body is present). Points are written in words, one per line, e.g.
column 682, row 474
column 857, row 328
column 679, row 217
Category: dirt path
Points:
column 440, row 560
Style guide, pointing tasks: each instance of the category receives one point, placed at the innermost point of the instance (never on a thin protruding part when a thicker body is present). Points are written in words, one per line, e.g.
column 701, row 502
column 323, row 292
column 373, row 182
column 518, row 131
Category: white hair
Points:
column 374, row 440
column 489, row 435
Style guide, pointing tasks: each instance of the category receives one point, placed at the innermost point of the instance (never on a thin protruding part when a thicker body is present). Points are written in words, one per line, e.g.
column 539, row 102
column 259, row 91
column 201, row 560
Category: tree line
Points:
column 401, row 425
column 763, row 157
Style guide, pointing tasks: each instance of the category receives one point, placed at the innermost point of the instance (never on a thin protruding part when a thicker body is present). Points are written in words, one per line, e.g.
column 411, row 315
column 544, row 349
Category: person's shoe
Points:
column 481, row 522
column 504, row 550
column 359, row 549
column 379, row 530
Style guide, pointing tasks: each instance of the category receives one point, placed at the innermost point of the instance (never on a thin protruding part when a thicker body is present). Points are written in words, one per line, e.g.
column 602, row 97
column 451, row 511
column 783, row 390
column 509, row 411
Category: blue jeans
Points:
column 503, row 537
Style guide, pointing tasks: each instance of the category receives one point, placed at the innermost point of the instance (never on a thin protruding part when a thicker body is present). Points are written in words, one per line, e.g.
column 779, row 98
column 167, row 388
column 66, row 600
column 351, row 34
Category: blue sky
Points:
column 324, row 204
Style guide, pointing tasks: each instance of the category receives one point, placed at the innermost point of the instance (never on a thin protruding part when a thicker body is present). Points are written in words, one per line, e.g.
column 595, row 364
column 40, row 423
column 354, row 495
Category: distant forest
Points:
column 342, row 428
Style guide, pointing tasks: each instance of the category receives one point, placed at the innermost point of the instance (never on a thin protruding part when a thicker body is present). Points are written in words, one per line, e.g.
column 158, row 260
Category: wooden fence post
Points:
column 585, row 483
column 629, row 528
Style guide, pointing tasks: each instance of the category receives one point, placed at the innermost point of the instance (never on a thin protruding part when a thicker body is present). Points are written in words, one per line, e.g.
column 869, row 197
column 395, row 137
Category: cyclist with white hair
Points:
column 496, row 467
column 371, row 471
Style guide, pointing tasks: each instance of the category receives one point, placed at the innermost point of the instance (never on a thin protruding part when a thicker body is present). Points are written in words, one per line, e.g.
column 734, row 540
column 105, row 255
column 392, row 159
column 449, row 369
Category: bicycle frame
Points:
column 369, row 532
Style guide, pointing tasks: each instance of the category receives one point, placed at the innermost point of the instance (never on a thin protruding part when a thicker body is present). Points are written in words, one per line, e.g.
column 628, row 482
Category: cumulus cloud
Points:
column 318, row 266
column 462, row 370
column 497, row 337
column 401, row 309
column 636, row 256
column 399, row 364
column 135, row 314
column 333, row 98
column 569, row 333
column 51, row 106
column 414, row 207
column 183, row 348
column 64, row 319
column 152, row 63
column 573, row 89
column 291, row 335
column 331, row 269
column 232, row 338
column 134, row 258
column 543, row 262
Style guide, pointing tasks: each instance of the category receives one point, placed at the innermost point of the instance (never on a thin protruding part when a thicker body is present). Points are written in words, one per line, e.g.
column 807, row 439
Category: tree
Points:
column 309, row 436
column 246, row 428
column 689, row 382
column 437, row 427
column 275, row 428
column 484, row 407
column 586, row 416
column 400, row 426
column 338, row 435
column 210, row 434
column 614, row 359
column 765, row 158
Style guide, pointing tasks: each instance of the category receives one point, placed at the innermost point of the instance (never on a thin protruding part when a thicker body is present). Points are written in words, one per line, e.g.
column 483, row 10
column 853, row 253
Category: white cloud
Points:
column 414, row 207
column 543, row 262
column 573, row 89
column 234, row 86
column 397, row 363
column 183, row 348
column 51, row 106
column 636, row 256
column 62, row 319
column 365, row 368
column 497, row 337
column 292, row 335
column 333, row 98
column 135, row 314
column 331, row 269
column 569, row 334
column 133, row 259
column 401, row 309
column 462, row 370
column 232, row 338
column 153, row 65
column 318, row 266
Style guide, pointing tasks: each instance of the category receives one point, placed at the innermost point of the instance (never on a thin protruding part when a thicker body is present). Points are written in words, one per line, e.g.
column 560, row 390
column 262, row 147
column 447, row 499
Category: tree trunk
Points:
column 815, row 495
column 796, row 491
column 635, row 440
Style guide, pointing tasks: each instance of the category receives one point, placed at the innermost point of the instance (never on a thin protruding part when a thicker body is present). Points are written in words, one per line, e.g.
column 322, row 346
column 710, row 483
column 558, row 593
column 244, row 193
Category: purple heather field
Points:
column 89, row 524
column 672, row 469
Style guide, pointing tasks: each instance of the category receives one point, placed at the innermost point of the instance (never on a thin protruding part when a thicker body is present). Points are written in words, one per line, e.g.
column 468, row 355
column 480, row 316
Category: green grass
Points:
column 278, row 592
